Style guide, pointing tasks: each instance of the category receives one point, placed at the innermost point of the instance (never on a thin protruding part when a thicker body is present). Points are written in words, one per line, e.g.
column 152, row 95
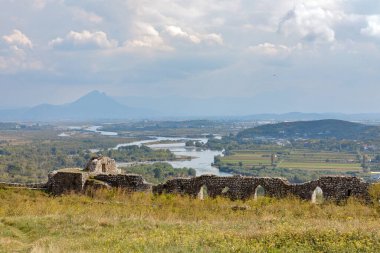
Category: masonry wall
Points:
column 102, row 165
column 335, row 188
column 61, row 182
column 128, row 181
column 238, row 187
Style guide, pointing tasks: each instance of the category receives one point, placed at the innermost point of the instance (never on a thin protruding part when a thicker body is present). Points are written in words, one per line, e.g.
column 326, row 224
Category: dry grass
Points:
column 32, row 221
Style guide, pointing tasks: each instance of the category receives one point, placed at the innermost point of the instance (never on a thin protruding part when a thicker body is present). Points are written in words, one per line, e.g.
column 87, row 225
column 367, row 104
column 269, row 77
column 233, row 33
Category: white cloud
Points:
column 17, row 38
column 269, row 49
column 195, row 38
column 17, row 59
column 195, row 21
column 147, row 37
column 214, row 38
column 80, row 14
column 84, row 40
column 17, row 56
column 312, row 21
column 176, row 31
column 373, row 27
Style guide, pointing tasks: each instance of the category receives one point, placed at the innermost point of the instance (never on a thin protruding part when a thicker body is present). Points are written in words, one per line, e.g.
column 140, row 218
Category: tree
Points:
column 157, row 172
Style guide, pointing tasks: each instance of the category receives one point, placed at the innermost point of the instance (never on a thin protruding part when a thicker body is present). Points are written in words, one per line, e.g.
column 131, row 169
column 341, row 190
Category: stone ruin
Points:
column 102, row 165
column 334, row 188
column 102, row 172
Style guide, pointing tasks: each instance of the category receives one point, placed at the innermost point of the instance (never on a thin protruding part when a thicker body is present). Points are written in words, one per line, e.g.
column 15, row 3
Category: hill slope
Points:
column 328, row 128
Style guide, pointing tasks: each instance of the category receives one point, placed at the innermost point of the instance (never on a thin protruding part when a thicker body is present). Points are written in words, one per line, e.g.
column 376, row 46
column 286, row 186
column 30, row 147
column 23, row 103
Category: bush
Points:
column 374, row 192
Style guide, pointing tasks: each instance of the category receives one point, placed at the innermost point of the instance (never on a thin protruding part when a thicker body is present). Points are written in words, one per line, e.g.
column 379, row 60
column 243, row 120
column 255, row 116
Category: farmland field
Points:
column 294, row 159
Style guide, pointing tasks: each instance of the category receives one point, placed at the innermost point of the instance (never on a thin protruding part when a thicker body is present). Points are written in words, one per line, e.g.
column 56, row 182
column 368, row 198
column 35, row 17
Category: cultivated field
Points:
column 295, row 159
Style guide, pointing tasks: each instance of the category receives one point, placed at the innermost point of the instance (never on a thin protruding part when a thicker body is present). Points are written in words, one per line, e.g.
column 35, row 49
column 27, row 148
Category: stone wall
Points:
column 130, row 182
column 334, row 188
column 61, row 182
column 78, row 181
column 102, row 165
column 237, row 187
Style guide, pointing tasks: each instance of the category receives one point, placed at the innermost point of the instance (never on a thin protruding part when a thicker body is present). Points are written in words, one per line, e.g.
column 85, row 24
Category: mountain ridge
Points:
column 96, row 105
column 92, row 106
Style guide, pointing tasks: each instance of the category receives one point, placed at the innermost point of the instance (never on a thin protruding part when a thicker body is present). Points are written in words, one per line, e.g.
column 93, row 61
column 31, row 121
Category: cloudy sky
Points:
column 289, row 55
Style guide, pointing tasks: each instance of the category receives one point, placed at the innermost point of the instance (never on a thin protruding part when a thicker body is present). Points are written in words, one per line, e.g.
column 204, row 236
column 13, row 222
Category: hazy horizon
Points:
column 193, row 107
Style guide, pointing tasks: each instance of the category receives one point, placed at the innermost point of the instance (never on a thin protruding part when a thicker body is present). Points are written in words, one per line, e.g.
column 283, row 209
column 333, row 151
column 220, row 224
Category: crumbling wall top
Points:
column 102, row 165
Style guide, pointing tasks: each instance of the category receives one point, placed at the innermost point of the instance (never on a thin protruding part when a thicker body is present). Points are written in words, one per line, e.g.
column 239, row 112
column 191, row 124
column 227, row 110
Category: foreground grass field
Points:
column 32, row 221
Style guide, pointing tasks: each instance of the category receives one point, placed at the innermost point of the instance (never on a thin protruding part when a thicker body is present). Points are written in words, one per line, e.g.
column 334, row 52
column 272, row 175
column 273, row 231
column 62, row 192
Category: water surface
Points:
column 201, row 159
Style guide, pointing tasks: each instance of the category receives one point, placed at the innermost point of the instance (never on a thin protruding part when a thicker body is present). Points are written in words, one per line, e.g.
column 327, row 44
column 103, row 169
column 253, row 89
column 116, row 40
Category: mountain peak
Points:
column 95, row 97
column 95, row 93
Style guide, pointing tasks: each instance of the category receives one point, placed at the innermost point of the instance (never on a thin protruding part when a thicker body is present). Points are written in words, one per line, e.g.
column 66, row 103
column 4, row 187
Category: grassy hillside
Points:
column 318, row 129
column 31, row 221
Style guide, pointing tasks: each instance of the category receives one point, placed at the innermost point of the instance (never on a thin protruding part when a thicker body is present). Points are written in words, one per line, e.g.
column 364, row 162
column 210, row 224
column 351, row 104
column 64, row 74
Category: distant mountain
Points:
column 298, row 116
column 98, row 106
column 12, row 114
column 320, row 129
column 231, row 108
column 93, row 106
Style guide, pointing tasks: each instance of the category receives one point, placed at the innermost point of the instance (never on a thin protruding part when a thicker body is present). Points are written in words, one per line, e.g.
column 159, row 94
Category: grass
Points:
column 113, row 221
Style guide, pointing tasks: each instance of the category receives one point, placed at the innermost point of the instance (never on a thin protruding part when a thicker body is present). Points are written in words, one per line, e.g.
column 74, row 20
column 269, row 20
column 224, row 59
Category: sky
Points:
column 288, row 55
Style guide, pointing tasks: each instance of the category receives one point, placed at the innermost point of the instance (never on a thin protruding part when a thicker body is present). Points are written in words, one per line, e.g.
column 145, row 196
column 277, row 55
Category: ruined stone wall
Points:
column 61, row 182
column 238, row 187
column 128, row 181
column 102, row 165
column 335, row 188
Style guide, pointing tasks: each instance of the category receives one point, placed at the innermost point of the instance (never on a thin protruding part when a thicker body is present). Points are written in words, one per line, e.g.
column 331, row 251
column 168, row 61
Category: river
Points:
column 202, row 159
column 96, row 130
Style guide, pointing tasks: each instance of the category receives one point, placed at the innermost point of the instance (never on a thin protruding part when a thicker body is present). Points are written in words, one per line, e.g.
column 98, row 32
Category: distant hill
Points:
column 98, row 106
column 329, row 128
column 93, row 106
column 231, row 108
